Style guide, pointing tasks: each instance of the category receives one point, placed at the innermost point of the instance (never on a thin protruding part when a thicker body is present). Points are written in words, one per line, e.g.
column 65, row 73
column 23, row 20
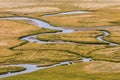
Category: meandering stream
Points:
column 100, row 38
column 32, row 68
column 32, row 38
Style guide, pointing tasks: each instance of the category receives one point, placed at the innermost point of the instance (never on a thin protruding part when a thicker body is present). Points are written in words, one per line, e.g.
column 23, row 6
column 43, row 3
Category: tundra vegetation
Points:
column 102, row 15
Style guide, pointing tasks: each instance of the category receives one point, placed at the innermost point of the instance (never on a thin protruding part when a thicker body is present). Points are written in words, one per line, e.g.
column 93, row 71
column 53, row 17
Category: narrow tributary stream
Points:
column 101, row 38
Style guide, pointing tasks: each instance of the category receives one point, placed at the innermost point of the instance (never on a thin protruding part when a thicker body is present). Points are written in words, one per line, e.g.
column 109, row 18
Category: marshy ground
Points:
column 103, row 15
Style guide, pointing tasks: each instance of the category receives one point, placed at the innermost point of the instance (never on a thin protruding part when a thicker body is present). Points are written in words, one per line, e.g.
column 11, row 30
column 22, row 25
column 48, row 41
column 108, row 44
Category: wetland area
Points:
column 43, row 39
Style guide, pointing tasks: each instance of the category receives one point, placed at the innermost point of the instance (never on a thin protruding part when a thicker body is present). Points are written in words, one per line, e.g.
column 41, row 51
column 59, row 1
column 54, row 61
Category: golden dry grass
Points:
column 114, row 35
column 7, row 69
column 98, row 17
column 102, row 67
column 34, row 9
column 11, row 4
column 113, row 39
column 40, row 56
column 12, row 31
column 108, row 54
column 49, row 53
column 97, row 5
column 78, row 3
column 82, row 49
column 101, row 17
column 78, row 37
column 104, row 14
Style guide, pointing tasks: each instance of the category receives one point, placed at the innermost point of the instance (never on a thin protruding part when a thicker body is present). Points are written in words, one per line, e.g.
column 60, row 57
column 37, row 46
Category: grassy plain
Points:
column 102, row 13
column 12, row 31
column 100, row 17
column 79, row 50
